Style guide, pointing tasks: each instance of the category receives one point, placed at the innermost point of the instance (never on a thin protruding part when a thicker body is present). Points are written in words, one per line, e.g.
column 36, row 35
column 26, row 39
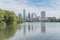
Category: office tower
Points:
column 42, row 15
column 24, row 12
column 28, row 16
column 33, row 16
column 19, row 15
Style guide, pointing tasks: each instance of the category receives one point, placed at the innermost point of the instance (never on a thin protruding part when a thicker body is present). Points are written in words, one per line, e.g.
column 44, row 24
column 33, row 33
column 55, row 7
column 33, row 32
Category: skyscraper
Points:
column 19, row 15
column 24, row 12
column 33, row 16
column 42, row 15
column 28, row 16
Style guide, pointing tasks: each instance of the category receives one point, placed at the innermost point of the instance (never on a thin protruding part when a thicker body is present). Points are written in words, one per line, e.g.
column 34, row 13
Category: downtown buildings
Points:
column 34, row 17
column 43, row 15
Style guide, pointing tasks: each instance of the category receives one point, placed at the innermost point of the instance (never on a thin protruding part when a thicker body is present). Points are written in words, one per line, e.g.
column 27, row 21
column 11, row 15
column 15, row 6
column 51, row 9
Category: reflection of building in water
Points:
column 28, row 27
column 24, row 29
column 31, row 27
column 43, row 29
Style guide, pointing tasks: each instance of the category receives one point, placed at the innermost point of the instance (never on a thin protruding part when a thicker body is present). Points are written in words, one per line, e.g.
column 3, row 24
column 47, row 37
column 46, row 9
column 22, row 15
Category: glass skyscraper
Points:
column 24, row 12
column 28, row 16
column 42, row 15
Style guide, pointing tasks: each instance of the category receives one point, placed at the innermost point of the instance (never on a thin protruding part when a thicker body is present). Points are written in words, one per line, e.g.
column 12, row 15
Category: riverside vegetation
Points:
column 9, row 17
column 8, row 23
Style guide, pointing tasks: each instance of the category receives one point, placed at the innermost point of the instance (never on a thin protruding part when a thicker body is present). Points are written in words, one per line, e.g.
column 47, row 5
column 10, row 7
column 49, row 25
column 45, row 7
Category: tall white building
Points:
column 28, row 16
column 42, row 15
column 24, row 14
column 19, row 15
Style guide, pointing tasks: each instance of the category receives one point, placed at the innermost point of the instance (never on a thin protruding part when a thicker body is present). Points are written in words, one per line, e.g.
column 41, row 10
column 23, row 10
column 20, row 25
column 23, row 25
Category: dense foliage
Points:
column 9, row 17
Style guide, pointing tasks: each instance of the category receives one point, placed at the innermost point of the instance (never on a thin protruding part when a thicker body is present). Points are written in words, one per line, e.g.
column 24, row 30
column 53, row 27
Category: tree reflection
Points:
column 8, row 32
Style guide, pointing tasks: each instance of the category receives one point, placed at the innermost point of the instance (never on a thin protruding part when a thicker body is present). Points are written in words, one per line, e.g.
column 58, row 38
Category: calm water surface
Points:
column 37, row 31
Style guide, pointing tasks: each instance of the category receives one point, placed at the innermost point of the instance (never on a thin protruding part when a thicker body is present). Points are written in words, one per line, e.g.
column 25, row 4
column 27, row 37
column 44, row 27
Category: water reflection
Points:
column 24, row 29
column 31, row 27
column 33, row 31
column 8, row 32
column 28, row 28
column 43, row 28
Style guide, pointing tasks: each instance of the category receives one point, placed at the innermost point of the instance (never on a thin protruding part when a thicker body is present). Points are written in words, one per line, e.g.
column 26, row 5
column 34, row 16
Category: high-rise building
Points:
column 28, row 16
column 33, row 16
column 19, row 15
column 24, row 12
column 42, row 15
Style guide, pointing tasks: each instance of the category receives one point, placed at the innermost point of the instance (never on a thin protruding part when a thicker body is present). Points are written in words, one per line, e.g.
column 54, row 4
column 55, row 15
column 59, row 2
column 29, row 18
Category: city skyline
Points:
column 52, row 7
column 29, row 14
column 35, row 17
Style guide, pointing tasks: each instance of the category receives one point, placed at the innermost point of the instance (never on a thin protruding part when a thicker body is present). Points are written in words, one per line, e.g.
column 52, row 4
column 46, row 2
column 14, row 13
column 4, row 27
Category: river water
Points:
column 37, row 31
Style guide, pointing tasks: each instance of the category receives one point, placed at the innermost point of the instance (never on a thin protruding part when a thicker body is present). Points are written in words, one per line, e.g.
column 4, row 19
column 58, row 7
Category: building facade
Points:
column 24, row 14
column 33, row 16
column 42, row 15
column 19, row 15
column 28, row 16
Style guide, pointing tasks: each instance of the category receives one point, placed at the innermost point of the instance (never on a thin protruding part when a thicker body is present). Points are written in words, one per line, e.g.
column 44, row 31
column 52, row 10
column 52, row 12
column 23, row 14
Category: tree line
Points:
column 9, row 17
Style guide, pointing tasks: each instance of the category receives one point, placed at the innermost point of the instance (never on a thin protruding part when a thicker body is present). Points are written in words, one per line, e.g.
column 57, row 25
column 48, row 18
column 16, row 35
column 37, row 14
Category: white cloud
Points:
column 18, row 7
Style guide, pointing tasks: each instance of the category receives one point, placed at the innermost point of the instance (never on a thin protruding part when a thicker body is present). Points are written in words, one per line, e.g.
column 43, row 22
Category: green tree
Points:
column 9, row 17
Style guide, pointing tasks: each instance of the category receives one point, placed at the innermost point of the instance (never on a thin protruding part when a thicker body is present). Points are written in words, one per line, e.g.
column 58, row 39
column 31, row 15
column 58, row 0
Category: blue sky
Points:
column 52, row 7
column 39, row 3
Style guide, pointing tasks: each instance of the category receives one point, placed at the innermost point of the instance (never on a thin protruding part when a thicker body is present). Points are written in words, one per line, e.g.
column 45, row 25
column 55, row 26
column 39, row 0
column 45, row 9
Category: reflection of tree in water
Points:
column 8, row 32
column 19, row 27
